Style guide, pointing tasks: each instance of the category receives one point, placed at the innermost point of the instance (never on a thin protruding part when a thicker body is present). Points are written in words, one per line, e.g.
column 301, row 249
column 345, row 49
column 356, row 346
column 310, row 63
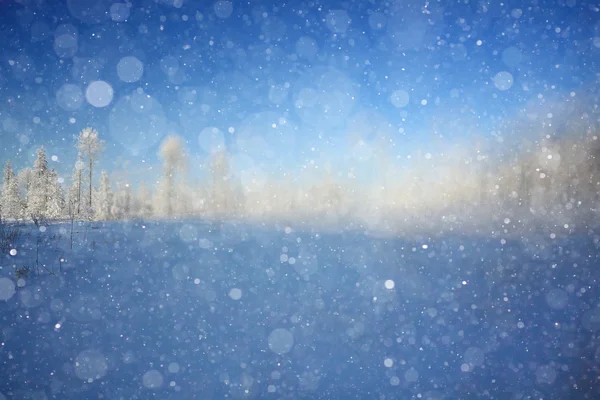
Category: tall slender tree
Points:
column 221, row 196
column 105, row 198
column 173, row 156
column 10, row 194
column 75, row 191
column 90, row 147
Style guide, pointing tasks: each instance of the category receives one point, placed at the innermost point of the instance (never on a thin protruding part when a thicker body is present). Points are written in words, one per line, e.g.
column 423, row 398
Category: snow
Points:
column 119, row 12
column 88, row 12
column 66, row 41
column 366, row 200
column 211, row 139
column 153, row 379
column 399, row 98
column 7, row 288
column 69, row 97
column 130, row 69
column 235, row 294
column 99, row 94
column 474, row 356
column 557, row 298
column 338, row 21
column 137, row 121
column 137, row 306
column 503, row 80
column 90, row 365
column 281, row 341
column 223, row 9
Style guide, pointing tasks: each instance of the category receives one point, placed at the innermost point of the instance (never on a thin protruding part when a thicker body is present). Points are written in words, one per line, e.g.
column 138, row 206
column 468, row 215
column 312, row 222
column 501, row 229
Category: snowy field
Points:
column 194, row 311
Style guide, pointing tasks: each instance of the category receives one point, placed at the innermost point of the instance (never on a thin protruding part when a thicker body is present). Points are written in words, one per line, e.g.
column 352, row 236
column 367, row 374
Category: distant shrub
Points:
column 39, row 219
column 22, row 272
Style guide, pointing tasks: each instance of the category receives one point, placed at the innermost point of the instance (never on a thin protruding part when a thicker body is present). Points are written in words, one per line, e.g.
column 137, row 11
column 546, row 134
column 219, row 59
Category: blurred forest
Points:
column 542, row 169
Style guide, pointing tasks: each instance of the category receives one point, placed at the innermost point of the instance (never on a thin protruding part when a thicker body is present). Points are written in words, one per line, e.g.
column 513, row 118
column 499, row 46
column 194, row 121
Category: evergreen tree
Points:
column 56, row 201
column 38, row 198
column 10, row 201
column 25, row 185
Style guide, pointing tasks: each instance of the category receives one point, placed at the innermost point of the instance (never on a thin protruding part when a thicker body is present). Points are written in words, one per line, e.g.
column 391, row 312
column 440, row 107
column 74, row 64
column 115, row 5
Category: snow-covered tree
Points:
column 122, row 204
column 104, row 198
column 11, row 207
column 56, row 201
column 25, row 181
column 37, row 199
column 224, row 198
column 90, row 147
column 75, row 196
column 144, row 201
column 173, row 155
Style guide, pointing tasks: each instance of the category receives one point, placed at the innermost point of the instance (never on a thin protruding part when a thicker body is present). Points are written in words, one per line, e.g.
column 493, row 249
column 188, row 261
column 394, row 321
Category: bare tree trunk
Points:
column 79, row 192
column 525, row 189
column 169, row 190
column 90, row 201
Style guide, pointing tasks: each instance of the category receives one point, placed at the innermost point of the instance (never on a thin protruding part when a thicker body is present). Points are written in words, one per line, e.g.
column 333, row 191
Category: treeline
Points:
column 38, row 193
column 551, row 179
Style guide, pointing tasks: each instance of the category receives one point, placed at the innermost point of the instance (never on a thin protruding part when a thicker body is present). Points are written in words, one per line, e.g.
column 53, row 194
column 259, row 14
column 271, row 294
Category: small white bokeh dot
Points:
column 390, row 284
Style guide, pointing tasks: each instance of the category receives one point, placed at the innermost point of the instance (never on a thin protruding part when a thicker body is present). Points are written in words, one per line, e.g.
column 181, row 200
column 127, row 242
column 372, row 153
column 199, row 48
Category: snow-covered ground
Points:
column 196, row 311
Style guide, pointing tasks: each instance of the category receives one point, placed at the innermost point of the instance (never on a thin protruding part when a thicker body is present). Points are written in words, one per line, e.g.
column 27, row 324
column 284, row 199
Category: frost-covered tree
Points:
column 90, row 147
column 75, row 196
column 10, row 201
column 37, row 199
column 144, row 201
column 122, row 204
column 56, row 201
column 104, row 198
column 223, row 198
column 25, row 180
column 173, row 156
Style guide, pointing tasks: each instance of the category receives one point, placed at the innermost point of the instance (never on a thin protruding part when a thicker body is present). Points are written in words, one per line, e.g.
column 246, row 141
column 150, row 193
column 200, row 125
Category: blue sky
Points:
column 283, row 84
